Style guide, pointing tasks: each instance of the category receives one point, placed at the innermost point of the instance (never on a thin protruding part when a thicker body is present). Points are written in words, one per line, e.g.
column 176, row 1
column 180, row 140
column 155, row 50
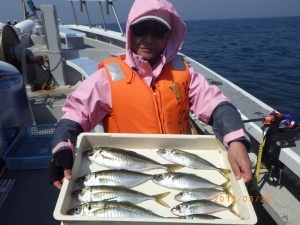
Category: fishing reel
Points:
column 281, row 130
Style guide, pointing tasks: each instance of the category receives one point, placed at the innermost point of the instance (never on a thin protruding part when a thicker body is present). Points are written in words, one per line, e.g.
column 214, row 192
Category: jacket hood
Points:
column 178, row 27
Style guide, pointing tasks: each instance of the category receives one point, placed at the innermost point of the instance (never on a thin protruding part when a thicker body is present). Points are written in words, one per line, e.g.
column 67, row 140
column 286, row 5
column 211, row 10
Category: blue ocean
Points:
column 260, row 55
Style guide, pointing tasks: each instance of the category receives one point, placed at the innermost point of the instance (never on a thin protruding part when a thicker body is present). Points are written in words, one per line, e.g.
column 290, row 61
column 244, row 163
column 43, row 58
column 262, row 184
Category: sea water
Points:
column 261, row 55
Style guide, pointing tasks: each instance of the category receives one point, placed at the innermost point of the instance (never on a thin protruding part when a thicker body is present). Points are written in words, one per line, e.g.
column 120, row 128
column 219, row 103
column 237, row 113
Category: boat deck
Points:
column 31, row 200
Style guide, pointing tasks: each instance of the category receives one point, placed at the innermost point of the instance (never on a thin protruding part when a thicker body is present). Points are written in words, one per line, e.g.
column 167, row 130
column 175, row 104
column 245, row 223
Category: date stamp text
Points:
column 244, row 198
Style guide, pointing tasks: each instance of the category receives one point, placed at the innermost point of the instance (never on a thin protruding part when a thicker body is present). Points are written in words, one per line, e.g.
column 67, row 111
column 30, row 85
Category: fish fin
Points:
column 173, row 167
column 225, row 172
column 159, row 198
column 231, row 208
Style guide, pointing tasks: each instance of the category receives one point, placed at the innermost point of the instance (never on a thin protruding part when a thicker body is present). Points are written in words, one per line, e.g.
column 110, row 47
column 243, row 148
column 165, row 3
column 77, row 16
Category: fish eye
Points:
column 82, row 191
column 77, row 210
column 88, row 150
column 180, row 194
column 160, row 177
column 162, row 151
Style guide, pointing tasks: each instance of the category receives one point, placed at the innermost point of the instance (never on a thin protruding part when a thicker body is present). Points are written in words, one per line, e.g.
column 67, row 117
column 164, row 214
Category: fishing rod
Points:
column 288, row 120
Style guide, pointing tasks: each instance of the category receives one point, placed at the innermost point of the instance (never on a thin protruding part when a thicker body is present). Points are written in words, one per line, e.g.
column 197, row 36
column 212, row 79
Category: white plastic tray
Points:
column 206, row 146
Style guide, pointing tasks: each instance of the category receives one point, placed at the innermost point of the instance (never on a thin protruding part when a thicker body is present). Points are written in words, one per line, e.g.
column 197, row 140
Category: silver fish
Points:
column 190, row 160
column 200, row 193
column 200, row 217
column 117, row 194
column 111, row 209
column 201, row 207
column 118, row 158
column 125, row 178
column 182, row 181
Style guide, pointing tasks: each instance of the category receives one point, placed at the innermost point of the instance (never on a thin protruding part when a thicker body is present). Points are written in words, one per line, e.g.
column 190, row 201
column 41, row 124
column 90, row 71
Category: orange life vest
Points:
column 138, row 108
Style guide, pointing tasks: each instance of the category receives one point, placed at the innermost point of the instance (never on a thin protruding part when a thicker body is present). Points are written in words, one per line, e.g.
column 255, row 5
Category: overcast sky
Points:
column 188, row 9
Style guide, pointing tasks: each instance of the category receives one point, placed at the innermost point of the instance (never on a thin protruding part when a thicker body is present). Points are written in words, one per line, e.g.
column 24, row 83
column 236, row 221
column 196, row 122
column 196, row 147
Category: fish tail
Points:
column 225, row 173
column 231, row 208
column 159, row 198
column 173, row 167
column 226, row 186
column 228, row 192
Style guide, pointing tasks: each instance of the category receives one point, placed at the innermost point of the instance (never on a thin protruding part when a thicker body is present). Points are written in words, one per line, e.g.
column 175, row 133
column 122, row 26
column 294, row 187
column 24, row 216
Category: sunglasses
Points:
column 143, row 29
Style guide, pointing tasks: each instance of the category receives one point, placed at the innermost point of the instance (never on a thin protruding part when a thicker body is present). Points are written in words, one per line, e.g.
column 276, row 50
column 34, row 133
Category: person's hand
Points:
column 61, row 167
column 239, row 160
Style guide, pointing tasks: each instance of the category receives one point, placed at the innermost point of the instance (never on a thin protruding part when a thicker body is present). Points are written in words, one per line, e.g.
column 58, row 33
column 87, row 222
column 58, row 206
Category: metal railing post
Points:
column 74, row 13
column 104, row 25
column 113, row 8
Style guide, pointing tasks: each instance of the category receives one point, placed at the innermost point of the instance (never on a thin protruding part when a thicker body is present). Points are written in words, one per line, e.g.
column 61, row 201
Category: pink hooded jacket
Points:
column 90, row 103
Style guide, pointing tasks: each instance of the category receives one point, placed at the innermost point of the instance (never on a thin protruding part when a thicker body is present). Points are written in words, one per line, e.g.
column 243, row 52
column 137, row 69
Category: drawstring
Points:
column 134, row 69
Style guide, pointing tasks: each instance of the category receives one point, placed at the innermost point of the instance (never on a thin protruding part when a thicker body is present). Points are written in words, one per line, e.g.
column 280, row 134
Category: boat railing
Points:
column 83, row 4
column 83, row 7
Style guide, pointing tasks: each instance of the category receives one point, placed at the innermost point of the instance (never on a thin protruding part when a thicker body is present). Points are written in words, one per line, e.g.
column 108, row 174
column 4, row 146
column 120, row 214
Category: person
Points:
column 150, row 89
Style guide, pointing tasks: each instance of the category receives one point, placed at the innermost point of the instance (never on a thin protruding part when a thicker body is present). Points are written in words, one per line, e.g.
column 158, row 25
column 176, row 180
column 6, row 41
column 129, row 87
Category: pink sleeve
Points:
column 90, row 102
column 235, row 135
column 204, row 97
